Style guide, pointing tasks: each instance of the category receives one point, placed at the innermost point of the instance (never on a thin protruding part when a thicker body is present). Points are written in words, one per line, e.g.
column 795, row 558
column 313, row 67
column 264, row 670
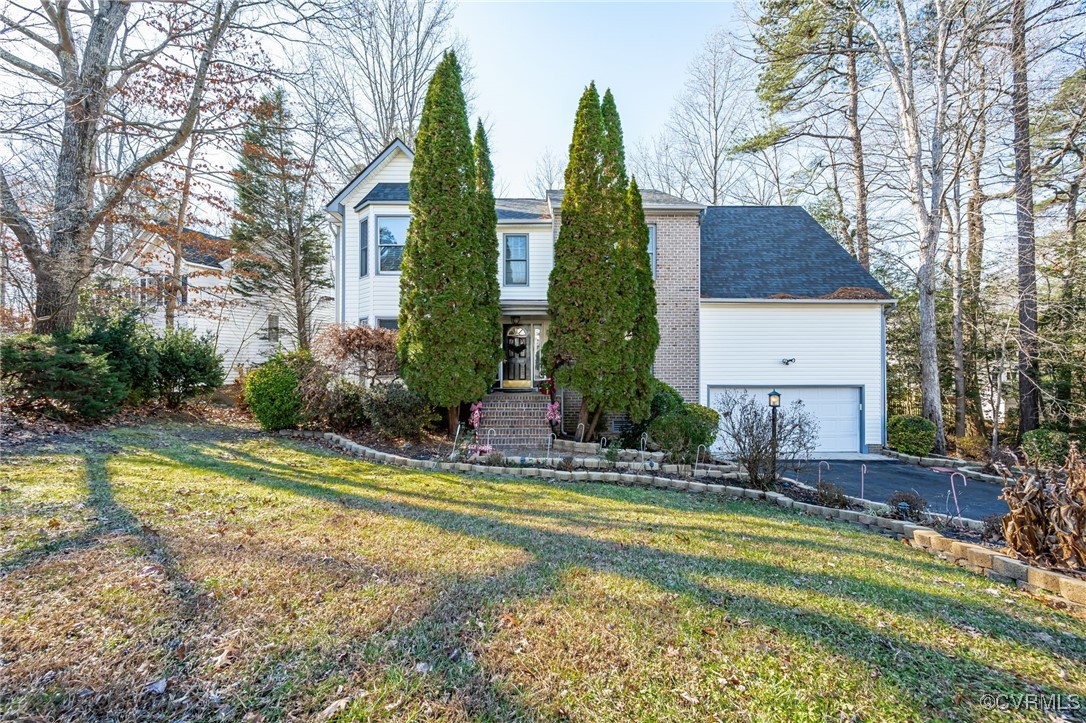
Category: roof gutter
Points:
column 881, row 302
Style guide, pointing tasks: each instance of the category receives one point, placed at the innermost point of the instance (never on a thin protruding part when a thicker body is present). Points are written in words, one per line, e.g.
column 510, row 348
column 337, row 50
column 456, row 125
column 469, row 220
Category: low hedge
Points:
column 911, row 435
column 1046, row 447
column 680, row 432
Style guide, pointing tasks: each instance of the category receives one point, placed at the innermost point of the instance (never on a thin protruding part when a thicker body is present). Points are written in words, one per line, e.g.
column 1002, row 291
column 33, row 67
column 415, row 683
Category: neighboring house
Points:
column 747, row 297
column 246, row 331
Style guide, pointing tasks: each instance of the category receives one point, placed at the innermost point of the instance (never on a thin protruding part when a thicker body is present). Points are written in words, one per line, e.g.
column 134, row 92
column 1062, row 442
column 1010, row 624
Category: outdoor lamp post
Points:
column 774, row 404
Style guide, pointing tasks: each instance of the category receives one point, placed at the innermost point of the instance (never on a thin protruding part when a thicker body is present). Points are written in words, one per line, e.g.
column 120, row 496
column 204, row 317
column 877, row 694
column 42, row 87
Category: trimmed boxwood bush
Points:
column 396, row 412
column 911, row 435
column 680, row 432
column 1046, row 447
column 58, row 377
column 187, row 366
column 273, row 394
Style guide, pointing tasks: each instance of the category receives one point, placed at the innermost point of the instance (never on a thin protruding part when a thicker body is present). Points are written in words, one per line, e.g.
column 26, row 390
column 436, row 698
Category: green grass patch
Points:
column 258, row 575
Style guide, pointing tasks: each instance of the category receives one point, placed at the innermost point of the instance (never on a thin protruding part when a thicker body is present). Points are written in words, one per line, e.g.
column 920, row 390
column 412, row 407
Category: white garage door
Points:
column 837, row 410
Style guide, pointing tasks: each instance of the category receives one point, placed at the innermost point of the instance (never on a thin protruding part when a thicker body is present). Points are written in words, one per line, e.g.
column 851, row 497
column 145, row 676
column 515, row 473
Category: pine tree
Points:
column 581, row 293
column 281, row 255
column 447, row 346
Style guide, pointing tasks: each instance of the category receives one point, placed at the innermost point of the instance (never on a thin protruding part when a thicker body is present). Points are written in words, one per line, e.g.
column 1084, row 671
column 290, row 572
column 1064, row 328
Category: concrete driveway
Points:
column 884, row 476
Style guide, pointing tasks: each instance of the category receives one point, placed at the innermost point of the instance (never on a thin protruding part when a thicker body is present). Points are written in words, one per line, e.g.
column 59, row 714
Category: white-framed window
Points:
column 391, row 237
column 184, row 293
column 364, row 247
column 516, row 259
column 652, row 248
column 393, row 324
column 273, row 328
column 151, row 291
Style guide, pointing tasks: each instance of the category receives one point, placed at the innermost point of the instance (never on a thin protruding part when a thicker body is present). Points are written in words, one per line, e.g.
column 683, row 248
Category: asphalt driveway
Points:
column 884, row 476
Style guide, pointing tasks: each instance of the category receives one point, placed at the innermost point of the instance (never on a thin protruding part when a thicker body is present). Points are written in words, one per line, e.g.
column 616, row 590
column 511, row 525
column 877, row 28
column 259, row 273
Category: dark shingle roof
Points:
column 521, row 209
column 509, row 209
column 758, row 252
column 385, row 193
column 650, row 199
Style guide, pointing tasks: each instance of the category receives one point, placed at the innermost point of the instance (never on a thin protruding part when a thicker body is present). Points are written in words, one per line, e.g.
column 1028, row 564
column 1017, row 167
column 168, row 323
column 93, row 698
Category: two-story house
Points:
column 747, row 298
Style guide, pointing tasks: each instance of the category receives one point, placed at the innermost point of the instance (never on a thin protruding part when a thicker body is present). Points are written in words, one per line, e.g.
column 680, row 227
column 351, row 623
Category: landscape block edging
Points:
column 975, row 558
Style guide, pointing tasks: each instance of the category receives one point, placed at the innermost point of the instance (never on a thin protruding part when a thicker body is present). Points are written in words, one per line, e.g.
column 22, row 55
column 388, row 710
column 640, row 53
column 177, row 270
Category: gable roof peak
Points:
column 334, row 205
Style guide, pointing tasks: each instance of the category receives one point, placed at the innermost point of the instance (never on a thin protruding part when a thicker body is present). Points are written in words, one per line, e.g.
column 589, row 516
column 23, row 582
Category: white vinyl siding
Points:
column 833, row 344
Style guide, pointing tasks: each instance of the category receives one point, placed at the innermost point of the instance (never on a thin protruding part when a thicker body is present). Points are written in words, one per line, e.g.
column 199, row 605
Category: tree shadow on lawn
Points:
column 921, row 565
column 904, row 661
column 195, row 616
column 625, row 496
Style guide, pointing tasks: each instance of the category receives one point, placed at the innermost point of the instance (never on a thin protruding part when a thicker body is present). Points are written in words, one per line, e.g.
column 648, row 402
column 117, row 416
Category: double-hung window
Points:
column 391, row 236
column 516, row 259
column 652, row 249
column 364, row 247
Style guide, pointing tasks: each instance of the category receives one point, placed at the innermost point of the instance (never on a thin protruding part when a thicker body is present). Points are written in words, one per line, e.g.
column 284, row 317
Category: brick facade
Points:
column 678, row 299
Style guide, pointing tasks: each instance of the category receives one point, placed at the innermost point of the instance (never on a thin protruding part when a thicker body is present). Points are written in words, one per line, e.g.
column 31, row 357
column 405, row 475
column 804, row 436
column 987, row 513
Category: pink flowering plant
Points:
column 554, row 415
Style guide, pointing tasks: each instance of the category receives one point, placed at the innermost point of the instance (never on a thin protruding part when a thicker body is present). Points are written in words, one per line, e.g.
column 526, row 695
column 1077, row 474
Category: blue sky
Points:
column 532, row 61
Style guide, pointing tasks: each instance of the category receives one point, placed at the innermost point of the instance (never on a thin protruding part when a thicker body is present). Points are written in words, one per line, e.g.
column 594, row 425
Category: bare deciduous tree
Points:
column 921, row 120
column 374, row 69
column 548, row 174
column 74, row 63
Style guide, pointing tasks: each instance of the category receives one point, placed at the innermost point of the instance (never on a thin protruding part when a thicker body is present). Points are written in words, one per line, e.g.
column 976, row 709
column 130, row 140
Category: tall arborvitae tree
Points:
column 580, row 295
column 490, row 312
column 447, row 346
column 281, row 254
column 644, row 332
column 631, row 374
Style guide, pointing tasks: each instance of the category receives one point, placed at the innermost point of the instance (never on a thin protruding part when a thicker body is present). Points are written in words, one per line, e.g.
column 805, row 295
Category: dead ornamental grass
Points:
column 197, row 572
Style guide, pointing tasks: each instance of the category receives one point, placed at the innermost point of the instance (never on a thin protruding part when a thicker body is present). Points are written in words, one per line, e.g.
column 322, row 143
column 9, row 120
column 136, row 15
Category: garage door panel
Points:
column 837, row 410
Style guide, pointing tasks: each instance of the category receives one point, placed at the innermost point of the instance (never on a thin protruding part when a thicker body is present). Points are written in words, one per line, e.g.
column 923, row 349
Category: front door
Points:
column 517, row 367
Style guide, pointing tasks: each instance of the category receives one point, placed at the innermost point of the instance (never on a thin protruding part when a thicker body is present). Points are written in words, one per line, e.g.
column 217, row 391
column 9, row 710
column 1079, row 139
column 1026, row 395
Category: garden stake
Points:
column 863, row 473
column 697, row 458
column 824, row 462
column 579, row 432
column 954, row 491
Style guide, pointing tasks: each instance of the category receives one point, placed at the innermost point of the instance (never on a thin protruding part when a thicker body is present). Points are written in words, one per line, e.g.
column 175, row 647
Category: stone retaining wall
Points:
column 975, row 558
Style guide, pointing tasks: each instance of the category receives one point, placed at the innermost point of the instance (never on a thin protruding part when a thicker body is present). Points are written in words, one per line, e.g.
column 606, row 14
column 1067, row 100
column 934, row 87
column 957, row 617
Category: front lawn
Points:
column 206, row 572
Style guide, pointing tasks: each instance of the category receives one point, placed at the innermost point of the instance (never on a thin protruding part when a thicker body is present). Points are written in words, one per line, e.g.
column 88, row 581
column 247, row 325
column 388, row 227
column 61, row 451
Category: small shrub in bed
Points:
column 397, row 412
column 679, row 433
column 273, row 395
column 911, row 435
column 917, row 505
column 664, row 401
column 58, row 377
column 830, row 495
column 1046, row 447
column 187, row 366
column 345, row 406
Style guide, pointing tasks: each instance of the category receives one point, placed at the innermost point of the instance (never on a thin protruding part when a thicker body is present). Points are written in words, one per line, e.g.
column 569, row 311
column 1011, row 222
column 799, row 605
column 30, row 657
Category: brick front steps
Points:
column 1070, row 592
column 518, row 421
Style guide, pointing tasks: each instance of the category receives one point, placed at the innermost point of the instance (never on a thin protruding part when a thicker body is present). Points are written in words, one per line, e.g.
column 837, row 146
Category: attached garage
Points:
column 838, row 410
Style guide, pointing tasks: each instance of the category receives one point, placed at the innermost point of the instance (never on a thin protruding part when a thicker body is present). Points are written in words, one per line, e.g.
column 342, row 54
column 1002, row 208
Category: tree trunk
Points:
column 591, row 433
column 1029, row 412
column 453, row 417
column 863, row 244
column 956, row 286
column 173, row 282
column 974, row 263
